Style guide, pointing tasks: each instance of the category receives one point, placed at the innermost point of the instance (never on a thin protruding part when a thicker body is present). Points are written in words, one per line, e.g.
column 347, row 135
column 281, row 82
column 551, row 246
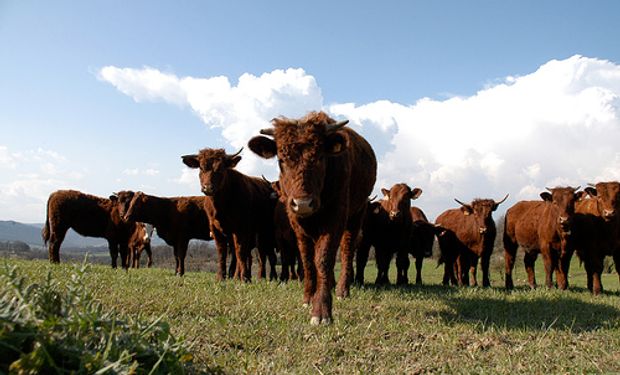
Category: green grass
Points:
column 262, row 328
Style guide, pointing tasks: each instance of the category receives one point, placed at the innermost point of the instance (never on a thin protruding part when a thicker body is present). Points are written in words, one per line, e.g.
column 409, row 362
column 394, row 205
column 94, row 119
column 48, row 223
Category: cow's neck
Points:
column 155, row 210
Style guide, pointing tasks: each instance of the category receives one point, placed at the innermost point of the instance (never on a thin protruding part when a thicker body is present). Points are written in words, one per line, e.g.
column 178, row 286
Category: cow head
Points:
column 303, row 147
column 126, row 203
column 214, row 165
column 562, row 200
column 397, row 200
column 607, row 195
column 482, row 212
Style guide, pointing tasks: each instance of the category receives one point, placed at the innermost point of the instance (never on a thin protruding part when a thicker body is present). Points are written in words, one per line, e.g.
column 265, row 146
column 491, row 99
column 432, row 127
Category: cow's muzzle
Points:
column 302, row 207
column 482, row 230
column 208, row 189
column 394, row 214
column 609, row 214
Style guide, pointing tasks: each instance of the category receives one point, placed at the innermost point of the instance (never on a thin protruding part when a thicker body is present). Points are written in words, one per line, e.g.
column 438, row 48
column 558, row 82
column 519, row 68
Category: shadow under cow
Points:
column 537, row 313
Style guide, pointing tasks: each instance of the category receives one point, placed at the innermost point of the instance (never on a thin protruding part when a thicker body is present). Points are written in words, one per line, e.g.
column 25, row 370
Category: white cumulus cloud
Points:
column 558, row 125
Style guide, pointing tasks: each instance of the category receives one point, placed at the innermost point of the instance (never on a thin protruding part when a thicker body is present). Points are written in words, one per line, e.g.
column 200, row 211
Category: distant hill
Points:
column 31, row 234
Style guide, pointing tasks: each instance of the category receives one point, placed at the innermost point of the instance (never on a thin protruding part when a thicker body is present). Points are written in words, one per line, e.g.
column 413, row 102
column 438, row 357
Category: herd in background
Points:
column 320, row 205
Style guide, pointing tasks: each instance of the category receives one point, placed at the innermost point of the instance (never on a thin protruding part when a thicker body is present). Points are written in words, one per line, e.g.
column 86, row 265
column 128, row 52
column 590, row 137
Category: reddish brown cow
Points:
column 387, row 227
column 467, row 234
column 542, row 227
column 177, row 220
column 597, row 230
column 326, row 173
column 238, row 205
column 140, row 241
column 89, row 216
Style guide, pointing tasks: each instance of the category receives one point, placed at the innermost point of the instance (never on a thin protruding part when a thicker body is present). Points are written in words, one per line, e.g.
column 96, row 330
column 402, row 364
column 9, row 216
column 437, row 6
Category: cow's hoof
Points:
column 315, row 321
column 305, row 305
column 326, row 321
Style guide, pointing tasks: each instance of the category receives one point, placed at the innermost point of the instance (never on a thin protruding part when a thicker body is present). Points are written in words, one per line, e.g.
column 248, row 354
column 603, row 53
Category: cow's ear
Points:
column 386, row 192
column 580, row 195
column 232, row 162
column 467, row 209
column 415, row 193
column 591, row 191
column 191, row 161
column 263, row 147
column 546, row 196
column 335, row 144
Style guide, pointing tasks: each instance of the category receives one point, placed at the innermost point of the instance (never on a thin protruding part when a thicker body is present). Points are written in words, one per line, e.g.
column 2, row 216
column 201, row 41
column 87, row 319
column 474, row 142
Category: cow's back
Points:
column 87, row 214
column 523, row 223
column 417, row 214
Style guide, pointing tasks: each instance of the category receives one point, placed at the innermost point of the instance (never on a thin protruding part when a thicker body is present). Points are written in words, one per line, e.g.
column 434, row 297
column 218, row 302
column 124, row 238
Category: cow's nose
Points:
column 302, row 206
column 563, row 219
column 609, row 213
column 482, row 230
column 394, row 214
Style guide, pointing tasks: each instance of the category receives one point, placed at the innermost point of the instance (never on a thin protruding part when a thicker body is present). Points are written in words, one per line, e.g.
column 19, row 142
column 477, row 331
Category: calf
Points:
column 467, row 233
column 388, row 227
column 544, row 227
column 141, row 241
column 422, row 239
column 239, row 206
column 286, row 242
column 177, row 220
column 89, row 216
column 597, row 230
column 326, row 174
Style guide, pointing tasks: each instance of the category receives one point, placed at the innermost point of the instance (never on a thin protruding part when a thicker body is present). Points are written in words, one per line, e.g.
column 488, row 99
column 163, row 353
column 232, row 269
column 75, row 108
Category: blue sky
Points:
column 65, row 124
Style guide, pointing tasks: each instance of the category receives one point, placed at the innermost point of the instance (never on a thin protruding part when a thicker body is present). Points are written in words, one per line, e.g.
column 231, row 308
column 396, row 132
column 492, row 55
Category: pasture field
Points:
column 262, row 328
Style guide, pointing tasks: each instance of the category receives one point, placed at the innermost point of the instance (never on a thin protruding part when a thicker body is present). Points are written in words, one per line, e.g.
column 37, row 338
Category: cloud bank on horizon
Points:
column 559, row 125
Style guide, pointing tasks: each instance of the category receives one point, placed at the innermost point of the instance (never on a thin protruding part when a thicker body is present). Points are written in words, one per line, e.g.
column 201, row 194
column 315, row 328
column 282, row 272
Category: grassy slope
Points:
column 262, row 327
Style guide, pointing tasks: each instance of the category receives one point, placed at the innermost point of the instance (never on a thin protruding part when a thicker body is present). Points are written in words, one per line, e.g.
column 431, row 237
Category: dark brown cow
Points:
column 597, row 230
column 177, row 220
column 468, row 234
column 387, row 227
column 422, row 239
column 239, row 206
column 140, row 241
column 90, row 216
column 542, row 227
column 286, row 242
column 326, row 173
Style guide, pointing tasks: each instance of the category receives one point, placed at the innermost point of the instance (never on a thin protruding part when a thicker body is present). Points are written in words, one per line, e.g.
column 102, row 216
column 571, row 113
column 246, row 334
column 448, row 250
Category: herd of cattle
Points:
column 320, row 204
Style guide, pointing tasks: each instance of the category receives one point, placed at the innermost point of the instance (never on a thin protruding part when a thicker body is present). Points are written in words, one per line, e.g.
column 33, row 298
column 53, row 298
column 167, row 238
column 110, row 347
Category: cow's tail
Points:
column 45, row 232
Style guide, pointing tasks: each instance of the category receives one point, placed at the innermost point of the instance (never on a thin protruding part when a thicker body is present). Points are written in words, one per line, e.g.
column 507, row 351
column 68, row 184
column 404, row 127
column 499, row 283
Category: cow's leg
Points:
column 181, row 253
column 346, row 262
column 484, row 265
column 510, row 252
column 616, row 257
column 461, row 270
column 113, row 247
column 232, row 268
column 57, row 235
column 473, row 269
column 418, row 269
column 383, row 258
column 324, row 259
column 149, row 254
column 361, row 259
column 262, row 264
column 549, row 261
column 307, row 251
column 588, row 266
column 529, row 259
column 123, row 248
column 135, row 257
column 597, row 270
column 286, row 260
column 243, row 252
column 561, row 271
column 300, row 265
column 266, row 245
column 402, row 267
column 221, row 246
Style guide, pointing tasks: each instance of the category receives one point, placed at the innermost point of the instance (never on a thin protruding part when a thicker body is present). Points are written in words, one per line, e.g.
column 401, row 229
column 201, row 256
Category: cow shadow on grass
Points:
column 529, row 312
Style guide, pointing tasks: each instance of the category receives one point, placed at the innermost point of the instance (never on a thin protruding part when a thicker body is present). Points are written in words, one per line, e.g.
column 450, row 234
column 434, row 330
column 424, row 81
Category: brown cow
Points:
column 286, row 242
column 177, row 220
column 326, row 173
column 141, row 241
column 90, row 216
column 542, row 227
column 387, row 226
column 422, row 239
column 468, row 234
column 239, row 206
column 597, row 230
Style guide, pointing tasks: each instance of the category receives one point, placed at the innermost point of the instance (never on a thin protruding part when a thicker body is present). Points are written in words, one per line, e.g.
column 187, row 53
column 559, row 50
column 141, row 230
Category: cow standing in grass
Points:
column 544, row 227
column 240, row 208
column 327, row 172
column 177, row 220
column 387, row 227
column 421, row 240
column 286, row 242
column 597, row 230
column 141, row 241
column 465, row 235
column 89, row 216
